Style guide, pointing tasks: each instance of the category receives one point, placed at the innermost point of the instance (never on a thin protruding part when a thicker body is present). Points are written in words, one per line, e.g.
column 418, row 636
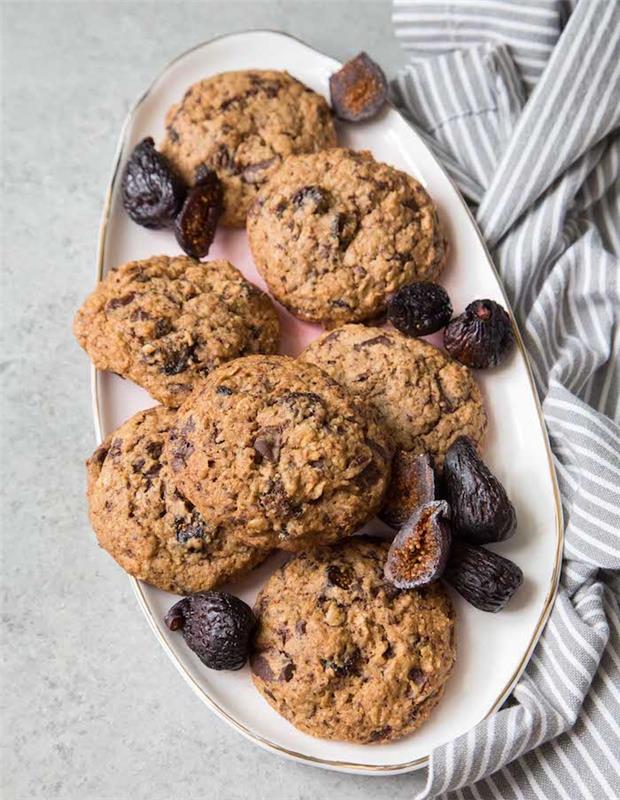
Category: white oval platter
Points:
column 492, row 648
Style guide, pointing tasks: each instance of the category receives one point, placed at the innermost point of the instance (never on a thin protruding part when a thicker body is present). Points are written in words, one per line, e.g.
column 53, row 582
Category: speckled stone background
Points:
column 91, row 706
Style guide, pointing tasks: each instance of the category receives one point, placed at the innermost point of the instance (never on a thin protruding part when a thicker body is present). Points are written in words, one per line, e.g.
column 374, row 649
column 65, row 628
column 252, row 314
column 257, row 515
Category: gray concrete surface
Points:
column 91, row 706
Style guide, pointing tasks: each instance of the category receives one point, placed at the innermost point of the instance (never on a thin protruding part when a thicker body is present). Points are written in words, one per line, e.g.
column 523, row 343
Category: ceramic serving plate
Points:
column 492, row 648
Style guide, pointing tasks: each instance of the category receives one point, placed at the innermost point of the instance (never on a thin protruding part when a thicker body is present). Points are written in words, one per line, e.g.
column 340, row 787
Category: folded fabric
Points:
column 526, row 121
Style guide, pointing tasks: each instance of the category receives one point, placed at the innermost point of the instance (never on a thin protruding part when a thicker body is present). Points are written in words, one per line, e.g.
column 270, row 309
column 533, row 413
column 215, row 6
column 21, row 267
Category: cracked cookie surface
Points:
column 242, row 124
column 342, row 654
column 146, row 525
column 425, row 399
column 166, row 322
column 279, row 449
column 334, row 233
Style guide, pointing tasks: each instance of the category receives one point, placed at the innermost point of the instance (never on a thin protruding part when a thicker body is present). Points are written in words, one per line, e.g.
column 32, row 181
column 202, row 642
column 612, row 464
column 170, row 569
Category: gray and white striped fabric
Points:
column 526, row 120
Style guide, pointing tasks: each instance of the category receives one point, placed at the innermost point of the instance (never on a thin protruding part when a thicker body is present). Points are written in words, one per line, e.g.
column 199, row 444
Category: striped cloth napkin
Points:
column 521, row 102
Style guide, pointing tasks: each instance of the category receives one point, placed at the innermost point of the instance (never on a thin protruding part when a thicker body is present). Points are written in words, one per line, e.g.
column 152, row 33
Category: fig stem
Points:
column 175, row 617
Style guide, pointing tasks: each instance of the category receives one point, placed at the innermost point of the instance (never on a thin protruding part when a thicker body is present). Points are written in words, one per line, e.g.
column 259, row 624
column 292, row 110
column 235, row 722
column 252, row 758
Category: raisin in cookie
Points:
column 344, row 655
column 335, row 233
column 279, row 449
column 242, row 124
column 425, row 399
column 152, row 531
column 166, row 322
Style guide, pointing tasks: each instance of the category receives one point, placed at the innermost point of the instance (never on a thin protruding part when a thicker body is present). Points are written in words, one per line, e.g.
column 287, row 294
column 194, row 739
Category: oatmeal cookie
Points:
column 334, row 233
column 242, row 124
column 167, row 321
column 278, row 448
column 342, row 654
column 146, row 525
column 425, row 399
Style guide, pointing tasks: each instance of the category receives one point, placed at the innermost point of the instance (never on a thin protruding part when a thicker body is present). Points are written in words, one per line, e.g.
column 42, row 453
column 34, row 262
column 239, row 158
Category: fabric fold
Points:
column 431, row 27
column 466, row 103
column 564, row 118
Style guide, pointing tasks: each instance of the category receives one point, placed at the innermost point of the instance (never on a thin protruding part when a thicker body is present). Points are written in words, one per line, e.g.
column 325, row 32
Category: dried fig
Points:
column 196, row 223
column 216, row 626
column 152, row 192
column 481, row 510
column 485, row 580
column 418, row 309
column 480, row 337
column 358, row 90
column 419, row 553
column 412, row 484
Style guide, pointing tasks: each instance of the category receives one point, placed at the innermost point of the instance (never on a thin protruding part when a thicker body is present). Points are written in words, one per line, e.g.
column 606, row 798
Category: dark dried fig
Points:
column 418, row 309
column 152, row 192
column 412, row 484
column 485, row 580
column 216, row 626
column 481, row 510
column 480, row 337
column 358, row 90
column 419, row 553
column 196, row 223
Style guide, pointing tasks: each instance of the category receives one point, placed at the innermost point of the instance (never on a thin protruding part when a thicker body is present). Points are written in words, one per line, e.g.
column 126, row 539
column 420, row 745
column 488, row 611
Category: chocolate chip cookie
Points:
column 425, row 399
column 166, row 322
column 344, row 655
column 242, row 124
column 279, row 449
column 140, row 518
column 334, row 233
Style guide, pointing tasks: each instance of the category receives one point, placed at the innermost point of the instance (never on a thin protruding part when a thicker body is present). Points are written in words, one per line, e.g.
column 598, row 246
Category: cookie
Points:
column 334, row 233
column 425, row 399
column 166, row 322
column 342, row 654
column 278, row 448
column 242, row 124
column 146, row 525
